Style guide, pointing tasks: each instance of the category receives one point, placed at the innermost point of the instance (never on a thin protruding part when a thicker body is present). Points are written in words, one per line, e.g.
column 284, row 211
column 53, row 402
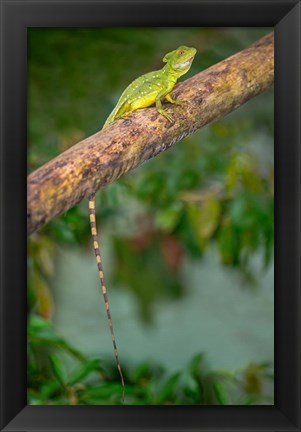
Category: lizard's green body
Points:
column 153, row 87
column 146, row 90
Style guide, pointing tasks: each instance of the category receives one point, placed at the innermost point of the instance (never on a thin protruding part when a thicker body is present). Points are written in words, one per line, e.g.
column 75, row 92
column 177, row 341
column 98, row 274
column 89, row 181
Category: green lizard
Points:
column 146, row 90
column 153, row 87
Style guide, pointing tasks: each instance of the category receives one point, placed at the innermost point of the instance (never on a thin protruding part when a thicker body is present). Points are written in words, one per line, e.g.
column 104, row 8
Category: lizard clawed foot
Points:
column 169, row 118
column 166, row 115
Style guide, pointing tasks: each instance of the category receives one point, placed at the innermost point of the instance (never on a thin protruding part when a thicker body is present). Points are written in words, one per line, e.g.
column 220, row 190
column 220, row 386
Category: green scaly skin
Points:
column 153, row 87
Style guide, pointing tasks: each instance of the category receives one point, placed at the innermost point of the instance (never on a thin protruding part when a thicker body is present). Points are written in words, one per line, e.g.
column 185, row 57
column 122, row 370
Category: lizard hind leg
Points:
column 121, row 110
column 102, row 282
column 173, row 101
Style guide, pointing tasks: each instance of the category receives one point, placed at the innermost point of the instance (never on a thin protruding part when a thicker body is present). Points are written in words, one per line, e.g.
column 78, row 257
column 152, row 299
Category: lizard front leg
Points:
column 160, row 96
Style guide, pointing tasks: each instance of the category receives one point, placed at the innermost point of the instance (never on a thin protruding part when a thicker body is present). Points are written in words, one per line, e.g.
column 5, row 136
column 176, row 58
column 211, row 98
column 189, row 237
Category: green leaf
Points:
column 167, row 219
column 41, row 333
column 190, row 389
column 49, row 389
column 37, row 324
column 196, row 365
column 209, row 216
column 168, row 391
column 243, row 171
column 220, row 393
column 84, row 370
column 103, row 391
column 189, row 231
column 58, row 369
column 228, row 244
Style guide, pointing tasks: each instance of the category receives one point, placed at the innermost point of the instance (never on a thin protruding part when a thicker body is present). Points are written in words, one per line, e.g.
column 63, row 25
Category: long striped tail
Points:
column 102, row 281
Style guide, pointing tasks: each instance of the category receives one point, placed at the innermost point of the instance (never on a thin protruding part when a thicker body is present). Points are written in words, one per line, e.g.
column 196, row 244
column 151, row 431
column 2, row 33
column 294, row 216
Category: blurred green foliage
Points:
column 91, row 382
column 213, row 188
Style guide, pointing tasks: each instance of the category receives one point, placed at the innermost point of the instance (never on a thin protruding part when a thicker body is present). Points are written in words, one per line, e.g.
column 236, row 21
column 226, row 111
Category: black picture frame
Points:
column 16, row 17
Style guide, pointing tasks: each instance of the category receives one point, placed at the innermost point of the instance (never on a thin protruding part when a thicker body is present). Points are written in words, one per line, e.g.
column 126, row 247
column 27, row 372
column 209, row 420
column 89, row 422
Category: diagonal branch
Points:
column 105, row 156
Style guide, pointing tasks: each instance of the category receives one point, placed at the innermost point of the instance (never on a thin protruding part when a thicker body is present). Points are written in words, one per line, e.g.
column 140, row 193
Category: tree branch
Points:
column 105, row 156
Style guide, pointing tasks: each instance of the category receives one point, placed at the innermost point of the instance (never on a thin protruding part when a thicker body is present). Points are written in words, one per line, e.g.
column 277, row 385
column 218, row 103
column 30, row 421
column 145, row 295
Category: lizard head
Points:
column 180, row 59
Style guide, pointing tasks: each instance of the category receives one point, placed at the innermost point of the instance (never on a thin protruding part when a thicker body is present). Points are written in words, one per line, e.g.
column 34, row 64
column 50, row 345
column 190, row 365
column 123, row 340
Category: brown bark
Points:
column 108, row 154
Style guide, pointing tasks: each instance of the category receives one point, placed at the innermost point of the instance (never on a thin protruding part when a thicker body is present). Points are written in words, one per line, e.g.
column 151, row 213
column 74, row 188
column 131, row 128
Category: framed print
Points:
column 176, row 322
